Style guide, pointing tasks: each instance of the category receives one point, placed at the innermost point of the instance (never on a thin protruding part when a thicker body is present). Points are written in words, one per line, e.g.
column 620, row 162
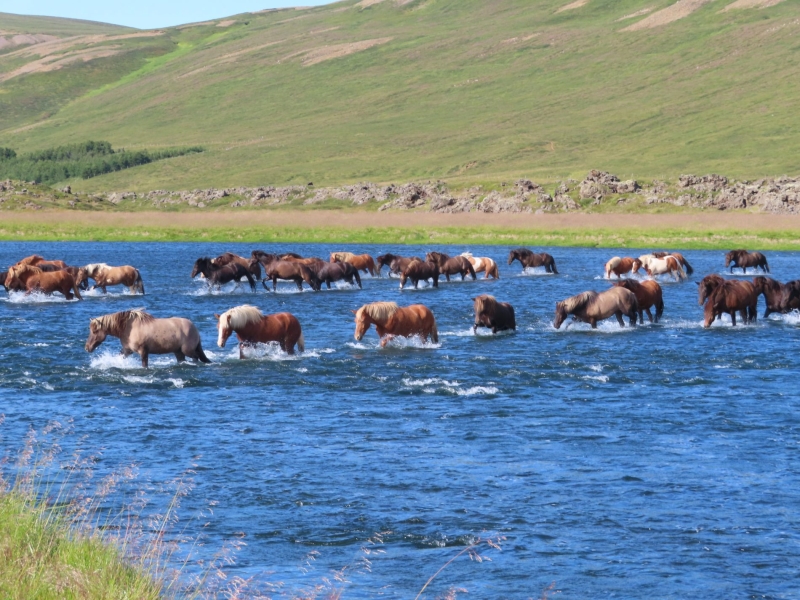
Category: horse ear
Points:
column 697, row 283
column 216, row 316
column 354, row 311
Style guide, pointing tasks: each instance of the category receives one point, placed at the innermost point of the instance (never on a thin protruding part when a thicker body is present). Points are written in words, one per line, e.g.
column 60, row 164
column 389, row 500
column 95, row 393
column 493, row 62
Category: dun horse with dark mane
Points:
column 252, row 327
column 391, row 320
column 591, row 307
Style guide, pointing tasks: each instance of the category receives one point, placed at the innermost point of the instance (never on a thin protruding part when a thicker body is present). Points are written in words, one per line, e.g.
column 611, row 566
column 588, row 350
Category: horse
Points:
column 499, row 316
column 29, row 260
column 328, row 272
column 33, row 279
column 391, row 320
column 229, row 257
column 288, row 270
column 668, row 265
column 707, row 285
column 679, row 257
column 458, row 265
column 418, row 270
column 483, row 263
column 219, row 276
column 530, row 259
column 105, row 275
column 792, row 299
column 252, row 327
column 395, row 262
column 775, row 293
column 729, row 297
column 143, row 334
column 648, row 294
column 362, row 262
column 591, row 307
column 744, row 259
column 621, row 266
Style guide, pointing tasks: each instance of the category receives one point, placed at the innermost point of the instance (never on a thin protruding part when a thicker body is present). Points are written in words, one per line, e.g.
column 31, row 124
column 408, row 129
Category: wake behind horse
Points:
column 391, row 320
column 252, row 327
column 530, row 260
column 143, row 334
column 497, row 316
column 744, row 259
column 105, row 275
column 591, row 307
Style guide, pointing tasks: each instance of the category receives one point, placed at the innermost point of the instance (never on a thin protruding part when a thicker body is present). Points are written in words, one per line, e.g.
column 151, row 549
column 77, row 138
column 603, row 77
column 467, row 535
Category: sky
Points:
column 145, row 14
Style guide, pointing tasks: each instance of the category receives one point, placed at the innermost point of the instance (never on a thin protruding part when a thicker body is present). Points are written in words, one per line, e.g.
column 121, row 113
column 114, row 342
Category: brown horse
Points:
column 729, row 297
column 336, row 271
column 143, row 334
column 707, row 285
column 498, row 316
column 229, row 257
column 33, row 279
column 776, row 294
column 648, row 294
column 591, row 307
column 458, row 265
column 418, row 270
column 792, row 300
column 287, row 270
column 395, row 262
column 105, row 275
column 253, row 327
column 677, row 256
column 35, row 261
column 362, row 262
column 620, row 266
column 529, row 259
column 483, row 263
column 744, row 259
column 390, row 320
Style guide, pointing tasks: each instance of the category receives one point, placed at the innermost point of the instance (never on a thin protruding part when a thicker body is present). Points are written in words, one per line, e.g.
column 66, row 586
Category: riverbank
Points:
column 675, row 230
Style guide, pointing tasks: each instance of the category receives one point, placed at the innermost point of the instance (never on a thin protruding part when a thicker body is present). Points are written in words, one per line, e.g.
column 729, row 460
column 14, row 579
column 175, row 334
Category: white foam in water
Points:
column 37, row 298
column 601, row 378
column 596, row 368
column 177, row 382
column 225, row 290
column 431, row 385
column 480, row 332
column 478, row 389
column 269, row 352
column 108, row 359
column 533, row 272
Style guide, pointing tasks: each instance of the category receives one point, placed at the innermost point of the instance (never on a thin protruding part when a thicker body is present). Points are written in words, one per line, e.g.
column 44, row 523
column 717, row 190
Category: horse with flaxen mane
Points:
column 776, row 294
column 669, row 265
column 458, row 265
column 105, row 275
column 483, row 263
column 648, row 294
column 143, row 334
column 229, row 257
column 219, row 276
column 498, row 316
column 591, row 307
column 531, row 260
column 744, row 259
column 362, row 262
column 417, row 271
column 391, row 320
column 729, row 297
column 252, row 327
column 679, row 257
column 621, row 266
column 286, row 270
column 33, row 279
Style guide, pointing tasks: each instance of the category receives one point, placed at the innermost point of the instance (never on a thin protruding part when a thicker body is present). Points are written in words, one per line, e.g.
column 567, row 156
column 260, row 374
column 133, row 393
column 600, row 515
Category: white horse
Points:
column 668, row 265
column 482, row 263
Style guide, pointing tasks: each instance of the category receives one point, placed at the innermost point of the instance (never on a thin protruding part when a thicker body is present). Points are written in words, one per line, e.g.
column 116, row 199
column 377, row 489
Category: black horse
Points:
column 530, row 259
column 221, row 275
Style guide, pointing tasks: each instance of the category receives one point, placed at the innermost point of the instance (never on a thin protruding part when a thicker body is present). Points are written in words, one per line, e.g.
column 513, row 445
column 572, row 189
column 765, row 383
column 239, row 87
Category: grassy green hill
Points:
column 394, row 90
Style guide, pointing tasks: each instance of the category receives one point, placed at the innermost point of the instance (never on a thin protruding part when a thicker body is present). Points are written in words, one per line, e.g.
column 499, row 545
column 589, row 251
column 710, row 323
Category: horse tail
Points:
column 371, row 266
column 553, row 265
column 766, row 266
column 301, row 343
column 201, row 356
column 434, row 331
column 689, row 269
column 251, row 281
column 139, row 283
column 75, row 289
column 471, row 270
column 659, row 307
column 495, row 271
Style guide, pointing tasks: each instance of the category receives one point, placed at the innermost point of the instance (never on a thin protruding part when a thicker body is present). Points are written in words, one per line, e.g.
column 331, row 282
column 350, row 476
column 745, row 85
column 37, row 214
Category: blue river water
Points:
column 657, row 461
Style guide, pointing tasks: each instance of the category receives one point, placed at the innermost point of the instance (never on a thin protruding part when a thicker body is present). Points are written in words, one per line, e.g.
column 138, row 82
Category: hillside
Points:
column 464, row 90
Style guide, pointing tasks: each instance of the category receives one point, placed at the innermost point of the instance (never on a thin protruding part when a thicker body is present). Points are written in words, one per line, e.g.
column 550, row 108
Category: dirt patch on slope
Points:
column 638, row 13
column 573, row 5
column 675, row 12
column 25, row 39
column 318, row 55
column 741, row 4
column 46, row 64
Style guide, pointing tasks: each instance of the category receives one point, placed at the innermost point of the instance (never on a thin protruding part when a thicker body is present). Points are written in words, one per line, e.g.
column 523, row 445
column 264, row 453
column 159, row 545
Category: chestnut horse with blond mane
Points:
column 362, row 262
column 591, row 307
column 497, row 316
column 391, row 320
column 252, row 327
column 105, row 275
column 621, row 266
column 33, row 279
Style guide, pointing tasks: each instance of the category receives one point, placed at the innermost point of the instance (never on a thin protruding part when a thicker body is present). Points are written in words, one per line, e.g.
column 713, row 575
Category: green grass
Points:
column 452, row 95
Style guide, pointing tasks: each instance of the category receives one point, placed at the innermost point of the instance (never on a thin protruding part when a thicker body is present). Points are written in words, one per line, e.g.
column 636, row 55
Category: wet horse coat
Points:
column 591, row 307
column 497, row 316
column 253, row 327
column 391, row 320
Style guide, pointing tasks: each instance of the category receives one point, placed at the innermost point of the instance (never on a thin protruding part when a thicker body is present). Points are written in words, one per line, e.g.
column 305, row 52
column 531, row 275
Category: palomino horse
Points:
column 483, row 263
column 621, row 266
column 362, row 262
column 105, row 275
column 287, row 270
column 251, row 327
column 418, row 270
column 498, row 316
column 143, row 334
column 33, row 279
column 229, row 257
column 591, row 307
column 336, row 271
column 532, row 260
column 776, row 294
column 744, row 259
column 391, row 320
column 679, row 257
column 458, row 265
column 219, row 276
column 648, row 294
column 729, row 297
column 668, row 265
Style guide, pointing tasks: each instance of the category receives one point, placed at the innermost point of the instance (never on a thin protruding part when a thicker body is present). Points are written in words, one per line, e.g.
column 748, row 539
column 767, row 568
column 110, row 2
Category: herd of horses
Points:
column 144, row 334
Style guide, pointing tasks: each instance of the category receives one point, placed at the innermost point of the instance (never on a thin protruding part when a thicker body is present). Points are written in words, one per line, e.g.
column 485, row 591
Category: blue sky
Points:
column 145, row 14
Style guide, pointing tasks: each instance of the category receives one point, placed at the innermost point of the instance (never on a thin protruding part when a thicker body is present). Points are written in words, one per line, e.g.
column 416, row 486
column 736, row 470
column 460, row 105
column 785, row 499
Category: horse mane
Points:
column 343, row 255
column 93, row 268
column 25, row 268
column 467, row 255
column 118, row 320
column 485, row 302
column 379, row 312
column 29, row 260
column 242, row 316
column 577, row 302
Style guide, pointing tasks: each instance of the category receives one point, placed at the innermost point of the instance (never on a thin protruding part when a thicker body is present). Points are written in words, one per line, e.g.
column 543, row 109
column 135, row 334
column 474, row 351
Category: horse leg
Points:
column 618, row 314
column 145, row 357
column 649, row 315
column 180, row 356
column 733, row 317
column 328, row 283
column 386, row 339
column 593, row 322
column 447, row 275
column 288, row 348
column 275, row 284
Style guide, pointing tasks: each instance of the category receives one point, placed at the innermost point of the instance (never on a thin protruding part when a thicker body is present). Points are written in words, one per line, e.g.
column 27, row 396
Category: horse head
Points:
column 561, row 315
column 636, row 265
column 97, row 335
column 362, row 323
column 513, row 255
column 224, row 329
column 201, row 265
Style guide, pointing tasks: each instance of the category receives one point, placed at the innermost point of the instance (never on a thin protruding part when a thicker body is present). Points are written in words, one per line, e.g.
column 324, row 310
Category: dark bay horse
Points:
column 229, row 257
column 744, row 259
column 143, row 334
column 395, row 262
column 792, row 300
column 336, row 271
column 391, row 320
column 498, row 316
column 591, row 307
column 529, row 259
column 729, row 297
column 648, row 295
column 252, row 327
column 221, row 275
column 707, row 285
column 418, row 270
column 776, row 294
column 458, row 265
column 287, row 270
